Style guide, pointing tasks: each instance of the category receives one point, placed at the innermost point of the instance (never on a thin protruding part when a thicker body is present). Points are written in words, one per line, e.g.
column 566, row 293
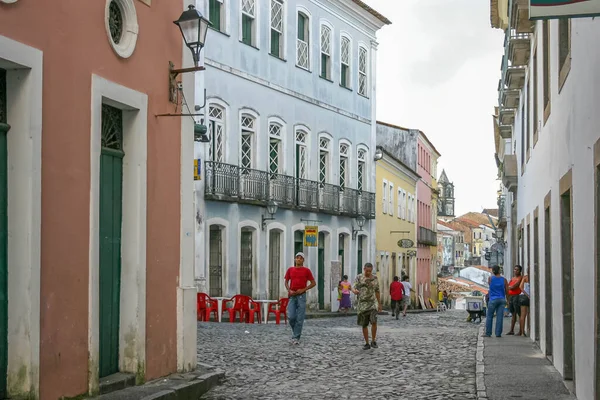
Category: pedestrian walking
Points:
column 406, row 298
column 296, row 280
column 396, row 292
column 498, row 295
column 346, row 287
column 514, row 290
column 366, row 286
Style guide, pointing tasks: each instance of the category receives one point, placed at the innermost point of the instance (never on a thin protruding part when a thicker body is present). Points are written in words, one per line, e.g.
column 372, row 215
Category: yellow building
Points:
column 434, row 210
column 396, row 216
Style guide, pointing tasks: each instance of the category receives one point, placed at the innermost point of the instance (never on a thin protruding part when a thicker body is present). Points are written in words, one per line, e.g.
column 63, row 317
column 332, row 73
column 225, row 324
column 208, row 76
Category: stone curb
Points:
column 191, row 390
column 480, row 367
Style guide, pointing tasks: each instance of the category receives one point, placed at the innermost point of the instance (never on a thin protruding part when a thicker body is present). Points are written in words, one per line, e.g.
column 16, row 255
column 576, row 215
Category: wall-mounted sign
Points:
column 311, row 236
column 550, row 9
column 197, row 170
column 406, row 243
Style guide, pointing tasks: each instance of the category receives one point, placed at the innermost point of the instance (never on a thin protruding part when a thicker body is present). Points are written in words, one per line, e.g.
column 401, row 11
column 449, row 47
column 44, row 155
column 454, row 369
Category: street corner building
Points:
column 96, row 268
column 290, row 111
column 548, row 156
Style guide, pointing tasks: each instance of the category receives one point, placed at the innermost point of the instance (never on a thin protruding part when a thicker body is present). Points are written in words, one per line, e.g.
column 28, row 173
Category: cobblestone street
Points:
column 423, row 356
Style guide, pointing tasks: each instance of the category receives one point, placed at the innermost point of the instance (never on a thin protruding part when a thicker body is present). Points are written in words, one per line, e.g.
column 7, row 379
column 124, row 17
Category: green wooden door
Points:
column 321, row 271
column 3, row 237
column 111, row 206
column 246, row 263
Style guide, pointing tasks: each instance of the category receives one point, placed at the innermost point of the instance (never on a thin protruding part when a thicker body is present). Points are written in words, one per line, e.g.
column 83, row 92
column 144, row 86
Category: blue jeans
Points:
column 295, row 312
column 495, row 306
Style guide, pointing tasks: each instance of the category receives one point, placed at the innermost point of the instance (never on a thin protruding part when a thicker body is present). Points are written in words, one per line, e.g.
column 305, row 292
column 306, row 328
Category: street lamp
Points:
column 378, row 154
column 193, row 28
column 272, row 210
column 360, row 221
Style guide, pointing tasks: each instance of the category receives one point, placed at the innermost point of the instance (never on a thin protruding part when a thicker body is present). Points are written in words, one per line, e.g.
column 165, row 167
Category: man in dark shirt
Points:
column 296, row 279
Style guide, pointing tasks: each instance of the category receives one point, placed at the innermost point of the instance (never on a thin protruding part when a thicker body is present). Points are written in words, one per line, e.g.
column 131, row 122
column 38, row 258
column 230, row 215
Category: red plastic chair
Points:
column 205, row 306
column 255, row 309
column 240, row 307
column 278, row 308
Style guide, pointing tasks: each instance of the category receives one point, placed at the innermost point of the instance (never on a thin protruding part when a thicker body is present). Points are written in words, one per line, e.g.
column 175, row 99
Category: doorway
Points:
column 298, row 244
column 341, row 253
column 536, row 277
column 568, row 292
column 215, row 261
column 548, row 279
column 359, row 255
column 111, row 207
column 321, row 271
column 246, row 262
column 274, row 263
column 3, row 235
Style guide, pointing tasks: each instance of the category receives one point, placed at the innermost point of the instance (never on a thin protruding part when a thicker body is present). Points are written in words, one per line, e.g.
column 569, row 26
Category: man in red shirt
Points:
column 396, row 291
column 296, row 279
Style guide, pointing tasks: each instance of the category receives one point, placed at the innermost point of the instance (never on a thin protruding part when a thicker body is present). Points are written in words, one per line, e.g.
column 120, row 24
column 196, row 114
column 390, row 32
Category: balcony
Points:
column 519, row 17
column 515, row 77
column 510, row 172
column 507, row 116
column 226, row 182
column 505, row 131
column 426, row 236
column 519, row 49
column 509, row 98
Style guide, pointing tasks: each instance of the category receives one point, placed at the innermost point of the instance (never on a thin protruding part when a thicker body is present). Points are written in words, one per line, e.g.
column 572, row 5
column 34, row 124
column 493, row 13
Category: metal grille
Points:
column 301, row 137
column 301, row 162
column 112, row 128
column 349, row 201
column 248, row 7
column 323, row 166
column 246, row 149
column 215, row 262
column 325, row 40
column 275, row 130
column 329, row 198
column 216, row 129
column 282, row 189
column 343, row 169
column 344, row 149
column 274, row 155
column 222, row 179
column 366, row 205
column 324, row 144
column 115, row 21
column 302, row 53
column 3, row 101
column 308, row 194
column 246, row 263
column 362, row 71
column 277, row 15
column 274, row 263
column 361, row 170
column 254, row 184
column 345, row 51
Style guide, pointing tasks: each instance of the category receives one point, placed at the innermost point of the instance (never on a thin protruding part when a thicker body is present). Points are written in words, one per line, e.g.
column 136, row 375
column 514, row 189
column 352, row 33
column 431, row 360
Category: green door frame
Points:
column 111, row 209
column 4, row 127
column 321, row 271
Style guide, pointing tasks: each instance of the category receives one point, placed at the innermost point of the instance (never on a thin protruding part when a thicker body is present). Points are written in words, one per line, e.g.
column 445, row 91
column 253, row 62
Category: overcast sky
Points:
column 438, row 71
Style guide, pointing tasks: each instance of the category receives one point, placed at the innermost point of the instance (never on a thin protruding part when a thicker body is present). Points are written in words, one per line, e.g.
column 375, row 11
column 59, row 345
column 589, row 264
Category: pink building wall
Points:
column 424, row 215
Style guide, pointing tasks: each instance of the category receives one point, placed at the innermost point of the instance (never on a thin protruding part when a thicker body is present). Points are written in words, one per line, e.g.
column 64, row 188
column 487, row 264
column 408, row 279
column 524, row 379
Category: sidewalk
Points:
column 513, row 367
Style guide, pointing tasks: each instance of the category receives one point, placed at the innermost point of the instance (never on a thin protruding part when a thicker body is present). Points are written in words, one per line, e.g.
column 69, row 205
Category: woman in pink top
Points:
column 346, row 286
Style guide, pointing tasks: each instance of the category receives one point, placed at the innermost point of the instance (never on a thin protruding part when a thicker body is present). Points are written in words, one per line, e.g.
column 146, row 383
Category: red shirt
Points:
column 517, row 290
column 396, row 290
column 298, row 277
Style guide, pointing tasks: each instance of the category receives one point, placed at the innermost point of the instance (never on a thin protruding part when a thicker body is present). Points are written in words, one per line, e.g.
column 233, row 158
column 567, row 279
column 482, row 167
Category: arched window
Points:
column 344, row 172
column 345, row 62
column 325, row 51
column 361, row 169
column 301, row 154
column 303, row 40
column 277, row 28
column 275, row 148
column 363, row 63
column 216, row 129
column 324, row 144
column 248, row 125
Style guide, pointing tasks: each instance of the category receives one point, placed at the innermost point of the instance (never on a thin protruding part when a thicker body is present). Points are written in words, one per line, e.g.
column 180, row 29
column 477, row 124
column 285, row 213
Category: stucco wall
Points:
column 74, row 43
column 566, row 142
column 401, row 143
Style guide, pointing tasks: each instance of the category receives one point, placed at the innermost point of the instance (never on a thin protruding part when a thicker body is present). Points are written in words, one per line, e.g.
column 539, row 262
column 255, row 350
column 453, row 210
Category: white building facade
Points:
column 549, row 154
column 290, row 108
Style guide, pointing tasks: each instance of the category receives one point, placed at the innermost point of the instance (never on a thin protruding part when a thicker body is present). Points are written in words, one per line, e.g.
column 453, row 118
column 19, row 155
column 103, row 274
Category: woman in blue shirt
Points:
column 498, row 294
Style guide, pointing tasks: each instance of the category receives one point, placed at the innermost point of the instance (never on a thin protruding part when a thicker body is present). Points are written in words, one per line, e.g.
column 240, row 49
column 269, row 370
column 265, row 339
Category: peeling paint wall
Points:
column 400, row 143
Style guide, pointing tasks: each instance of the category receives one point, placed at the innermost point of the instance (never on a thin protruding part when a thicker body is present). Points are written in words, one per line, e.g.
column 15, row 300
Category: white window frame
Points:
column 253, row 155
column 225, row 108
column 345, row 35
column 384, row 192
column 347, row 157
column 326, row 24
column 308, row 15
column 225, row 15
column 365, row 181
column 283, row 38
column 306, row 144
column 281, row 154
column 364, row 73
column 328, row 150
column 400, row 210
column 255, row 31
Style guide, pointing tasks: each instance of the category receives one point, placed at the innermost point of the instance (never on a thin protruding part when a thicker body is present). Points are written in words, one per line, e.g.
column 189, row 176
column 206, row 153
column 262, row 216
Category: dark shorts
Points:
column 523, row 300
column 514, row 305
column 396, row 302
column 367, row 317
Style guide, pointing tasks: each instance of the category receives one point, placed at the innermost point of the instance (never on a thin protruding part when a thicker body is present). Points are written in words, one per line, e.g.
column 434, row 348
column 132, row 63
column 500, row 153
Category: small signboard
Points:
column 197, row 170
column 311, row 236
column 549, row 9
column 405, row 243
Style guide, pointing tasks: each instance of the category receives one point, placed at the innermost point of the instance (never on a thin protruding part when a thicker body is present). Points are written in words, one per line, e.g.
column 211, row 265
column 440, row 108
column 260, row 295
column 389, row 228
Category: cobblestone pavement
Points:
column 423, row 356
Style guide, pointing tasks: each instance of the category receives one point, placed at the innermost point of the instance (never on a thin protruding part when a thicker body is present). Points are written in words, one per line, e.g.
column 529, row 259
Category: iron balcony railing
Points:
column 226, row 182
column 426, row 236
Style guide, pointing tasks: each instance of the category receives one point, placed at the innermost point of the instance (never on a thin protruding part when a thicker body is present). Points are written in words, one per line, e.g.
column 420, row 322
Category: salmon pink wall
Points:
column 72, row 36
